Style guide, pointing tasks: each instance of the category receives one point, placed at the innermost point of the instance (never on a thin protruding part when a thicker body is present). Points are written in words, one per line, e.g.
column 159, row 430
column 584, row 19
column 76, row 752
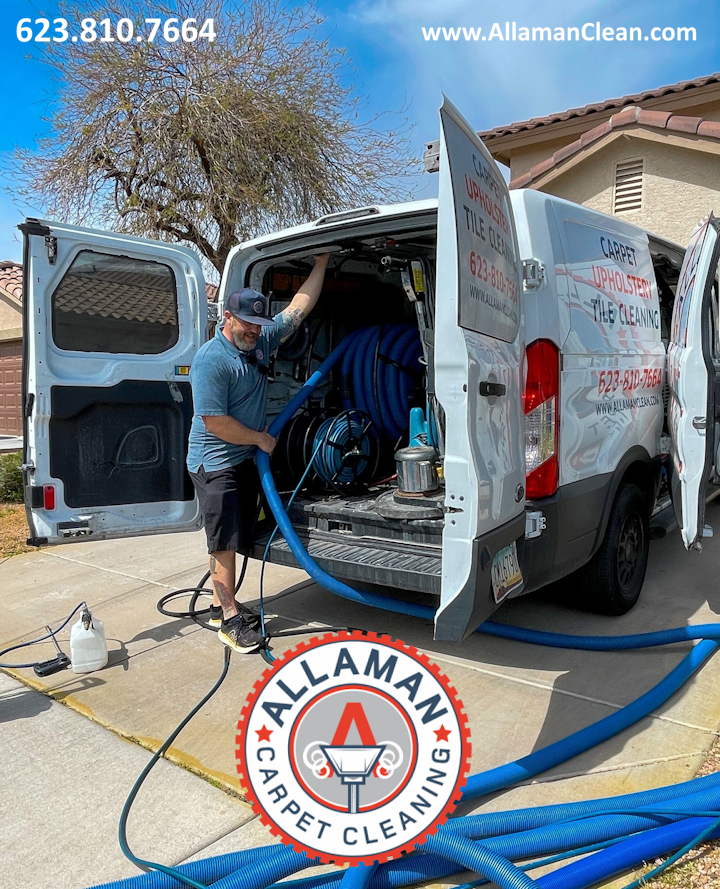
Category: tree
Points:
column 208, row 142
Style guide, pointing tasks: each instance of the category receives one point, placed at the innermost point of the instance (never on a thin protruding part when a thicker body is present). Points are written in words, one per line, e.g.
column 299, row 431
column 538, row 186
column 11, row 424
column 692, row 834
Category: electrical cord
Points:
column 122, row 828
column 49, row 635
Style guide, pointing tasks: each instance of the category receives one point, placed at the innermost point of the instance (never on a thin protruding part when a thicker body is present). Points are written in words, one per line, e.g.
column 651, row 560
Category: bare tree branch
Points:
column 210, row 143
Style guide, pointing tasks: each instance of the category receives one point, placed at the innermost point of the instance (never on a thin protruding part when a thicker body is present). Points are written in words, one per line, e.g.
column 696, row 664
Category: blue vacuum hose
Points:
column 490, row 843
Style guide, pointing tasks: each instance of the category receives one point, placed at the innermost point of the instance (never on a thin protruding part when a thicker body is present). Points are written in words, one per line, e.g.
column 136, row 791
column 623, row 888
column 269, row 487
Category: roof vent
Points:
column 628, row 186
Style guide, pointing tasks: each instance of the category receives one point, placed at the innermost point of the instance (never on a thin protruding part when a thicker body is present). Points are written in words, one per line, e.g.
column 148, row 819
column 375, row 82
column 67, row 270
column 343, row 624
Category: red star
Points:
column 442, row 733
column 264, row 733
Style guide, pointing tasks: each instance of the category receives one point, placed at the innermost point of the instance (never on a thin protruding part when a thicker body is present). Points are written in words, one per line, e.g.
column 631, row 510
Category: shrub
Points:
column 11, row 481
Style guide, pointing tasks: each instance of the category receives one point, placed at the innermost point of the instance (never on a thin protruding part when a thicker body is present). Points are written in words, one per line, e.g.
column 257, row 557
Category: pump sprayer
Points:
column 88, row 648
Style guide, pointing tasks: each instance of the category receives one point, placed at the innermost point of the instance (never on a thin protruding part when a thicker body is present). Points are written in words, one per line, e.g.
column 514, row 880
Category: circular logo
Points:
column 258, row 307
column 353, row 748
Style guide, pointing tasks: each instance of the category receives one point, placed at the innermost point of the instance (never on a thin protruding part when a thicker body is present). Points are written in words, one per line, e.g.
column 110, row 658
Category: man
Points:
column 229, row 384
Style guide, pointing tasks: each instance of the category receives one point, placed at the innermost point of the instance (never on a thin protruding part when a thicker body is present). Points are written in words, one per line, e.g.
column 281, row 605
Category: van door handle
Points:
column 488, row 389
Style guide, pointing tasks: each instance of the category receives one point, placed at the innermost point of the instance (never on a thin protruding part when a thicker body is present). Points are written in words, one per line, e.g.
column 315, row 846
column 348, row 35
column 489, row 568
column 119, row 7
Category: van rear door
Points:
column 479, row 358
column 693, row 363
column 112, row 324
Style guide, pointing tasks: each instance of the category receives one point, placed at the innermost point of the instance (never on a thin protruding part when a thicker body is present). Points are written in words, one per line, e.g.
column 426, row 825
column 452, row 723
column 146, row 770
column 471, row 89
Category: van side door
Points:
column 479, row 361
column 111, row 326
column 693, row 376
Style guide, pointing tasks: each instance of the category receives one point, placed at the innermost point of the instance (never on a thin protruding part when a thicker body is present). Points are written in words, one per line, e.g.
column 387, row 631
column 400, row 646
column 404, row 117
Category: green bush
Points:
column 11, row 481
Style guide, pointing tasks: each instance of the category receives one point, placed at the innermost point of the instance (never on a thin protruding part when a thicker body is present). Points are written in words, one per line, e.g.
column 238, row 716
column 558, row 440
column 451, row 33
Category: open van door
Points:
column 112, row 324
column 693, row 380
column 479, row 360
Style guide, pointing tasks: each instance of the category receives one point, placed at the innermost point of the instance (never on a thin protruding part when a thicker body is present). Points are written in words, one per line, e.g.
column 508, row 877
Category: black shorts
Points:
column 229, row 505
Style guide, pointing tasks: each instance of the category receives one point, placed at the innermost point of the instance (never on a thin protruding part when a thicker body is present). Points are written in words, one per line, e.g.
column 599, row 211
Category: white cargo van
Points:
column 530, row 332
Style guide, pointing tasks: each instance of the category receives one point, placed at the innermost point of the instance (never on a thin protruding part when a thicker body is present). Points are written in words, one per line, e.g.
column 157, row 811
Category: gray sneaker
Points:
column 238, row 635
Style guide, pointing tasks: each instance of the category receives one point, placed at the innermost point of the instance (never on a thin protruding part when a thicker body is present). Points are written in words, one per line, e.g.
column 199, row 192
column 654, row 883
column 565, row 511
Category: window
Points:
column 628, row 186
column 117, row 304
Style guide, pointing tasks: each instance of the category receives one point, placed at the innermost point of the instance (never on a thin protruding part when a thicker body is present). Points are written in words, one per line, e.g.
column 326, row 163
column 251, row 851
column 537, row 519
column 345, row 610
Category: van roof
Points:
column 347, row 219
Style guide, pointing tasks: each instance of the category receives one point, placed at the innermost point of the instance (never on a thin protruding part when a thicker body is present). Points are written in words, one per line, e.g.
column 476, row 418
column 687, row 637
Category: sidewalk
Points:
column 519, row 698
column 10, row 443
column 64, row 783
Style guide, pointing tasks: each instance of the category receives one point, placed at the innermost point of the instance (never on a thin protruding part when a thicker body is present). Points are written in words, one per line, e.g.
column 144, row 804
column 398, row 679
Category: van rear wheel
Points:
column 611, row 581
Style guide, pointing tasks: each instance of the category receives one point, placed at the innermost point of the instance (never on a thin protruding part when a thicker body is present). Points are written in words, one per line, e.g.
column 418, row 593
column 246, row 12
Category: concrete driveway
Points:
column 519, row 698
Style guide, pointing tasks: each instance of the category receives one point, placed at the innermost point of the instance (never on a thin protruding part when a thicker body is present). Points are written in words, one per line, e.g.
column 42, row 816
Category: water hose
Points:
column 526, row 832
column 545, row 829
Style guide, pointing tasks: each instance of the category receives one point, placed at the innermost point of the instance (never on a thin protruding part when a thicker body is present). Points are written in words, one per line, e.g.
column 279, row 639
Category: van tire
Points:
column 611, row 581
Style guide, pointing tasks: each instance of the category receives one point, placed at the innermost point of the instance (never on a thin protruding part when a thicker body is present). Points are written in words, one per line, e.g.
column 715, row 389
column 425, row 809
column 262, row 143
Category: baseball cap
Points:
column 249, row 305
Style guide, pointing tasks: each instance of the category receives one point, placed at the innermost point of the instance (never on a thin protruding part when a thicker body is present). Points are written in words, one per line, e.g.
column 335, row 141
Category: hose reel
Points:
column 343, row 448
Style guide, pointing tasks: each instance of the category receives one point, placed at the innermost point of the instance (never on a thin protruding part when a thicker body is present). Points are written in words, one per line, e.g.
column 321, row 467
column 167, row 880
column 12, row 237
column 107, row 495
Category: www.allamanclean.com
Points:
column 589, row 32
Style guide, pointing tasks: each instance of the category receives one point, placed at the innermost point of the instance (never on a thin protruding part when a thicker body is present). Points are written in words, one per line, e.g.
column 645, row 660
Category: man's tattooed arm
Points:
column 304, row 300
column 293, row 317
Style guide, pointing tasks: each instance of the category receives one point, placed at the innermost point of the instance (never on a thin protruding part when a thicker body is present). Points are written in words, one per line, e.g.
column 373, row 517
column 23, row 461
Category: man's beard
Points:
column 241, row 344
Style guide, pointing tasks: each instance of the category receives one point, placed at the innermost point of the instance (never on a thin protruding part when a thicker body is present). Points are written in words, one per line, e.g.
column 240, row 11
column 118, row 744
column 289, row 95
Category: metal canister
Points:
column 416, row 471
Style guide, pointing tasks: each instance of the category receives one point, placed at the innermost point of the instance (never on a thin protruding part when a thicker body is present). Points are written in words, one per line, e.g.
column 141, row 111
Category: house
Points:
column 10, row 347
column 652, row 158
column 11, row 330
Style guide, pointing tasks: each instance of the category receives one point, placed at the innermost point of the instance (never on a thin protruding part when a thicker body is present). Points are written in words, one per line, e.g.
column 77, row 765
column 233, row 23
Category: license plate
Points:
column 506, row 574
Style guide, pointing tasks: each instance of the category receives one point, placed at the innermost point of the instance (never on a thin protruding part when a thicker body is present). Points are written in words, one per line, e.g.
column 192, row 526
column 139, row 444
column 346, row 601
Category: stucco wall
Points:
column 522, row 159
column 680, row 185
column 10, row 313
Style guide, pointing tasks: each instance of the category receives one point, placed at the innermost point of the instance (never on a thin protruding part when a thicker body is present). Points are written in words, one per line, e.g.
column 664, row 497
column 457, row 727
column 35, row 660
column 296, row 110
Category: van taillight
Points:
column 49, row 497
column 542, row 419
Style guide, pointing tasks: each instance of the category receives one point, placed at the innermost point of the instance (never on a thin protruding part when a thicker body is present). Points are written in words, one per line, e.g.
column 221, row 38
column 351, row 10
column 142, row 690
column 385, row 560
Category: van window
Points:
column 117, row 304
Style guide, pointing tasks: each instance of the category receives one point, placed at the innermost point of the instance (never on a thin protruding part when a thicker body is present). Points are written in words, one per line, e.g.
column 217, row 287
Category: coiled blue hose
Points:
column 333, row 439
column 378, row 365
column 527, row 832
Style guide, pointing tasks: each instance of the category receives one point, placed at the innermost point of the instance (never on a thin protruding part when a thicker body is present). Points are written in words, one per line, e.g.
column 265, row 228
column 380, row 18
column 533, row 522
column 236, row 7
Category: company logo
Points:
column 258, row 307
column 259, row 354
column 353, row 748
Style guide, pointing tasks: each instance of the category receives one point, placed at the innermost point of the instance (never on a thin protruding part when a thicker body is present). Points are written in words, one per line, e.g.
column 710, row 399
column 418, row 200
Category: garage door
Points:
column 10, row 387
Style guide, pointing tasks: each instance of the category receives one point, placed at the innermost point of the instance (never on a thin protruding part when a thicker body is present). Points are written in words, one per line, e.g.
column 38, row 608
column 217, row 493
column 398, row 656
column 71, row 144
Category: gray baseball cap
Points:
column 250, row 306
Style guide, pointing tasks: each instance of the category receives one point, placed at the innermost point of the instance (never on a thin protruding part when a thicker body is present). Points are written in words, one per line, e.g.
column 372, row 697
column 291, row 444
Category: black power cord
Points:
column 50, row 635
column 196, row 591
column 122, row 827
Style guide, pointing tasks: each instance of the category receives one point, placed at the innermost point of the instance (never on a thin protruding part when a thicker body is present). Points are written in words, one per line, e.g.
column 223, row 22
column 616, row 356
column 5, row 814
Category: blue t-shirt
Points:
column 225, row 384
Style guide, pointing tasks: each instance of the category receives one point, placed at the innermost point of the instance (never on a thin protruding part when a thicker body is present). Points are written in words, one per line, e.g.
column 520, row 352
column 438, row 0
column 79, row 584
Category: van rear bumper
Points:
column 573, row 518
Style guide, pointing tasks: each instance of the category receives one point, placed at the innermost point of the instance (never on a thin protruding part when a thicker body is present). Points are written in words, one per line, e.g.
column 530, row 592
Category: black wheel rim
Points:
column 630, row 548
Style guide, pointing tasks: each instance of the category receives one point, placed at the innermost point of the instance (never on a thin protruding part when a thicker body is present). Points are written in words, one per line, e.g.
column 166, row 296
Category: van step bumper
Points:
column 364, row 561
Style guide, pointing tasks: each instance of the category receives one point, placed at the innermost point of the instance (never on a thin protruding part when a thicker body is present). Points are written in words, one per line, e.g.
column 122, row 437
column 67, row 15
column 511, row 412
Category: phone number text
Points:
column 627, row 381
column 123, row 30
column 485, row 271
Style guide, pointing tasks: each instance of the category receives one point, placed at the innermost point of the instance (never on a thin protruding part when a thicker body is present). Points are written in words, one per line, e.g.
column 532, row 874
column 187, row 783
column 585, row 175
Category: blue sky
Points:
column 492, row 83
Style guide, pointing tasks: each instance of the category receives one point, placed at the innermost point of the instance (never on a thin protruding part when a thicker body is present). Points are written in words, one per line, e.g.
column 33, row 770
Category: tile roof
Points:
column 110, row 293
column 658, row 120
column 606, row 105
column 11, row 278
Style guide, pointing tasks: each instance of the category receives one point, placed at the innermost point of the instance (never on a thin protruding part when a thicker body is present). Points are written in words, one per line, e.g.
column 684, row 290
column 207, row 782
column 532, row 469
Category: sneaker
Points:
column 237, row 634
column 216, row 617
